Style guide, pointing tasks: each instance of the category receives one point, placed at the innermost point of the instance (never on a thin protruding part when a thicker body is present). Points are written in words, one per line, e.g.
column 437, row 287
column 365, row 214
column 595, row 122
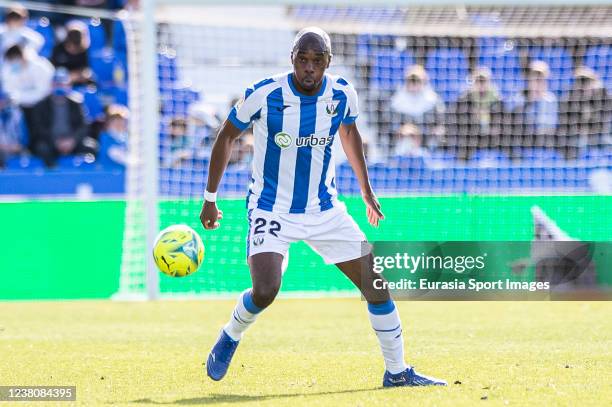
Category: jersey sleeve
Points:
column 246, row 109
column 352, row 110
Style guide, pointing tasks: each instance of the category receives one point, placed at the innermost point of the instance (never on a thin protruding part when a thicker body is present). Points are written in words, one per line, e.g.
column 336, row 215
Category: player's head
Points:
column 310, row 56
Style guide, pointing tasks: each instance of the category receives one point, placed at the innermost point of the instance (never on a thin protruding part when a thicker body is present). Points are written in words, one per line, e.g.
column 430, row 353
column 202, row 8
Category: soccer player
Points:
column 296, row 117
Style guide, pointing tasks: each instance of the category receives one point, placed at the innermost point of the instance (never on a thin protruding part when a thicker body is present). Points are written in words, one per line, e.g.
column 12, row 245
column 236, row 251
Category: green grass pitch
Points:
column 311, row 352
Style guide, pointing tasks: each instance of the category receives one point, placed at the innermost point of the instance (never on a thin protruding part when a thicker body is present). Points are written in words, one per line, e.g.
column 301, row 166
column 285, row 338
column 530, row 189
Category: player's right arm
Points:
column 219, row 158
column 245, row 111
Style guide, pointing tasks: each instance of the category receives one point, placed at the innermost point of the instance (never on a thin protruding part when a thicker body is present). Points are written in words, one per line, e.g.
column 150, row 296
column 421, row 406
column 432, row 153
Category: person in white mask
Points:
column 417, row 102
column 14, row 31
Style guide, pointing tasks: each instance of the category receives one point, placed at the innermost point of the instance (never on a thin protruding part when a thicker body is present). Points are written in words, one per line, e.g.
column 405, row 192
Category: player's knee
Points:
column 264, row 294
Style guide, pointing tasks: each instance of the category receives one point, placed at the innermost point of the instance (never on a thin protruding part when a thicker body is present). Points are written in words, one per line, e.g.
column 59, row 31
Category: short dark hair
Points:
column 13, row 52
column 312, row 38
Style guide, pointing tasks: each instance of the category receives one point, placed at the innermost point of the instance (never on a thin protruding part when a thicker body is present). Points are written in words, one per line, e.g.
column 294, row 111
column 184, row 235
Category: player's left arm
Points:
column 353, row 148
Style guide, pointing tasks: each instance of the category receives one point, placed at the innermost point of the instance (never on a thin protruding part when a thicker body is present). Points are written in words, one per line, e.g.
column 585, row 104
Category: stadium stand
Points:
column 378, row 63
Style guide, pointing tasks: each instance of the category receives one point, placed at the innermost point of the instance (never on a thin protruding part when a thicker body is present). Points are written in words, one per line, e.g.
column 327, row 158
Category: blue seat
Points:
column 75, row 162
column 102, row 64
column 313, row 12
column 599, row 58
column 368, row 44
column 197, row 163
column 93, row 106
column 388, row 66
column 448, row 70
column 378, row 175
column 44, row 28
column 405, row 162
column 560, row 64
column 24, row 163
column 439, row 159
column 601, row 155
column 97, row 35
column 502, row 58
column 539, row 156
column 167, row 70
column 67, row 162
column 119, row 38
column 485, row 158
column 346, row 181
column 176, row 101
column 344, row 172
column 351, row 13
column 120, row 95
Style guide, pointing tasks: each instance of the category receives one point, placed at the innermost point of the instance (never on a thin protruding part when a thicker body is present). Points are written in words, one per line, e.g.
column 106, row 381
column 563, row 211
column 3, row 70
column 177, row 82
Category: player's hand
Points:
column 372, row 208
column 210, row 215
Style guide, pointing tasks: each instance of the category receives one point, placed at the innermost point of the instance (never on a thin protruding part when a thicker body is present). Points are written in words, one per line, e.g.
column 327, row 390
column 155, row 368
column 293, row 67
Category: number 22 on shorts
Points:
column 261, row 223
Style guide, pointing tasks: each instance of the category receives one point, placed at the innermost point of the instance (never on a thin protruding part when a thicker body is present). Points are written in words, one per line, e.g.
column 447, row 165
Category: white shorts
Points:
column 333, row 234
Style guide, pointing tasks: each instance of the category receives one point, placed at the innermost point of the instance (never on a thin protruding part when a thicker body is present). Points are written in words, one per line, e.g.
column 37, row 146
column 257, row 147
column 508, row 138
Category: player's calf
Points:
column 266, row 274
column 360, row 272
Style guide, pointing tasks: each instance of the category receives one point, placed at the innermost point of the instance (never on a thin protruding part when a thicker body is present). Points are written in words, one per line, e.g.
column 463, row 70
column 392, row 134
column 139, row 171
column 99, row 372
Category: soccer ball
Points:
column 178, row 251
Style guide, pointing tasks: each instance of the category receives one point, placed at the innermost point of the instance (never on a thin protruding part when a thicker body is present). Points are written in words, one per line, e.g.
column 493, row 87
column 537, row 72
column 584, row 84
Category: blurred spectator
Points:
column 585, row 114
column 416, row 102
column 409, row 141
column 242, row 153
column 11, row 140
column 14, row 31
column 535, row 109
column 113, row 140
column 181, row 144
column 59, row 127
column 72, row 53
column 131, row 5
column 475, row 120
column 27, row 79
column 203, row 123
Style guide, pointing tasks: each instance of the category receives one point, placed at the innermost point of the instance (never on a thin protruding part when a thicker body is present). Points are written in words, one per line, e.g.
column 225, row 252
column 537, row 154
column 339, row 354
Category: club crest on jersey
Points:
column 332, row 108
column 283, row 140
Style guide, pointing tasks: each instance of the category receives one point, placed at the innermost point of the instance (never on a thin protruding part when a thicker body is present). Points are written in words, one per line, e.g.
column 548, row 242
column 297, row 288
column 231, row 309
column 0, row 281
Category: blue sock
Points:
column 243, row 315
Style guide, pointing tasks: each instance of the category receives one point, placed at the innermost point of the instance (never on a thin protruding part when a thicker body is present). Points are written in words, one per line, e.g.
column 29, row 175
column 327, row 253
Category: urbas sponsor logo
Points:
column 313, row 141
column 284, row 140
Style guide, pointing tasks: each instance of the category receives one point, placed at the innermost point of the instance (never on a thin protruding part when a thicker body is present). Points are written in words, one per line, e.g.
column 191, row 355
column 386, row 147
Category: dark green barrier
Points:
column 73, row 249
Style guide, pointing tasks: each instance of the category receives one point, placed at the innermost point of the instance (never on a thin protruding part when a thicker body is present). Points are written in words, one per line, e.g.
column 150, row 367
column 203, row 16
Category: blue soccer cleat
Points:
column 220, row 356
column 410, row 378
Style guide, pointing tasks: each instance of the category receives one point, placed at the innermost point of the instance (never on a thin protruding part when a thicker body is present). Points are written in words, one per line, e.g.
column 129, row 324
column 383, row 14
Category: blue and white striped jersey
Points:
column 293, row 161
